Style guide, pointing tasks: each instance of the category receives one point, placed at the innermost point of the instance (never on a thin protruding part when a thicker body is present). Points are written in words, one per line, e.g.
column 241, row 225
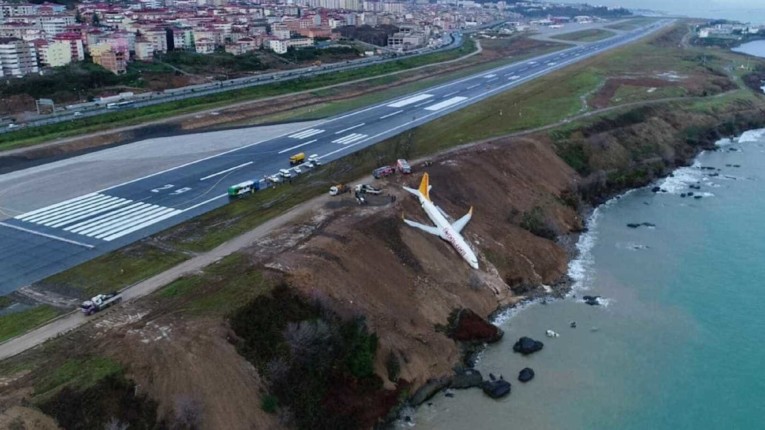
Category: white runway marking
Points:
column 449, row 95
column 446, row 103
column 226, row 171
column 350, row 128
column 306, row 133
column 489, row 76
column 473, row 86
column 296, row 146
column 350, row 138
column 97, row 215
column 49, row 236
column 423, row 103
column 512, row 78
column 391, row 114
column 410, row 100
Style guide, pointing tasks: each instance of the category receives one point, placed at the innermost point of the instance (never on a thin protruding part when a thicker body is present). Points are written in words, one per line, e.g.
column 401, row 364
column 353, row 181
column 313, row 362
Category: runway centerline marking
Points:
column 391, row 114
column 296, row 146
column 350, row 128
column 226, row 171
column 449, row 95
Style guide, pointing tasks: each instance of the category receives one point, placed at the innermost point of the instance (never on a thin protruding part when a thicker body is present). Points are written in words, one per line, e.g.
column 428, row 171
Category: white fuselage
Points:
column 448, row 233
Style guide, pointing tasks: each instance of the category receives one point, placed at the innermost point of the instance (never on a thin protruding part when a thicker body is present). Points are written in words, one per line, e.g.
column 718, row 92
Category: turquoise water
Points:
column 681, row 341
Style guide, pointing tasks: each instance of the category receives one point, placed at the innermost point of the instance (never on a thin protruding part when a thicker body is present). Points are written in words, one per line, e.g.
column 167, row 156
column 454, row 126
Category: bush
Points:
column 535, row 222
column 269, row 403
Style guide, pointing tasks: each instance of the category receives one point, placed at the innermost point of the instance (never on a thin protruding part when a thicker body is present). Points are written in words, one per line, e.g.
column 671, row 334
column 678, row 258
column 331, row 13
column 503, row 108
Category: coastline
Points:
column 579, row 245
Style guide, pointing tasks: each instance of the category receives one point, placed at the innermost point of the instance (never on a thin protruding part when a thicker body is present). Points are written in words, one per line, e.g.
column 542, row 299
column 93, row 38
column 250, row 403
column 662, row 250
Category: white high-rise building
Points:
column 17, row 57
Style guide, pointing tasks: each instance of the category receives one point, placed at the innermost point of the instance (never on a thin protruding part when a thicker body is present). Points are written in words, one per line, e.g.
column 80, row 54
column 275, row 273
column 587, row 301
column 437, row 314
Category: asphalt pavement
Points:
column 49, row 239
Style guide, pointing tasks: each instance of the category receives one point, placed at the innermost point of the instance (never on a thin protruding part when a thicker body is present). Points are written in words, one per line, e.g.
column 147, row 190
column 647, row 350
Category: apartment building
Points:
column 17, row 57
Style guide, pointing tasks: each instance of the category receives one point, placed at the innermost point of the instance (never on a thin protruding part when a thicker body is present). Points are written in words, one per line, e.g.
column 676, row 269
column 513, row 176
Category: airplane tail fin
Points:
column 424, row 187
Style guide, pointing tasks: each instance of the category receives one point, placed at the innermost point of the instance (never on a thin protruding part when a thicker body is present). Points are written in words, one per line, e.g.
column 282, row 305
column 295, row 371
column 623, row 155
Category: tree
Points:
column 96, row 20
column 78, row 17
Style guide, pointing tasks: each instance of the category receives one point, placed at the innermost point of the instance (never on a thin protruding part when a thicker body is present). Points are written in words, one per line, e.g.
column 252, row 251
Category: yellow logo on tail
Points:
column 424, row 188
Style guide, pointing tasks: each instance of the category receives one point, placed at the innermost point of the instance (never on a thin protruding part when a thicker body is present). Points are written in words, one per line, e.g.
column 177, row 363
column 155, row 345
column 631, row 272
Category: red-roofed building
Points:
column 75, row 44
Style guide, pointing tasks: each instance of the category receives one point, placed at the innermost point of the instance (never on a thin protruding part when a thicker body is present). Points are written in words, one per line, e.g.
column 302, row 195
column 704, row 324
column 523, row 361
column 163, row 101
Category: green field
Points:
column 585, row 35
column 116, row 270
column 16, row 323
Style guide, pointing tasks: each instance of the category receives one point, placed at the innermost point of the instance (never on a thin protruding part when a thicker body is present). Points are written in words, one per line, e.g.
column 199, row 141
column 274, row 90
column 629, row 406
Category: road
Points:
column 85, row 110
column 49, row 239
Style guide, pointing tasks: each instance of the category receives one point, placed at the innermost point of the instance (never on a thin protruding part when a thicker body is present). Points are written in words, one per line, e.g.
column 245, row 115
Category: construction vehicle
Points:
column 298, row 158
column 246, row 187
column 383, row 171
column 403, row 166
column 339, row 189
column 367, row 189
column 100, row 302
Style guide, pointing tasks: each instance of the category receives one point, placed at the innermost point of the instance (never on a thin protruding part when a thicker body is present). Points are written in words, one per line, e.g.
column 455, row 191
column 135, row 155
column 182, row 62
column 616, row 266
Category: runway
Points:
column 45, row 240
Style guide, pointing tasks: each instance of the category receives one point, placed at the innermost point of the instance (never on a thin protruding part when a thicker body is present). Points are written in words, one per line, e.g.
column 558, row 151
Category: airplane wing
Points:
column 462, row 222
column 427, row 228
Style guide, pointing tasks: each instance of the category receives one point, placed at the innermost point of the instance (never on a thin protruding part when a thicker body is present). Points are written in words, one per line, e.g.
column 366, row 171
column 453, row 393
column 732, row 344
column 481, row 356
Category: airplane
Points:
column 443, row 229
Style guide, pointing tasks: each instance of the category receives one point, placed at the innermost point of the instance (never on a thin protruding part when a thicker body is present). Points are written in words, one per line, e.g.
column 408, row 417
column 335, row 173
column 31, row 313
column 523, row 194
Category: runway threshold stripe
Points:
column 49, row 236
column 140, row 226
column 47, row 217
column 51, row 207
column 101, row 219
column 126, row 222
column 226, row 171
column 44, row 212
column 71, row 219
column 95, row 228
column 297, row 146
column 410, row 100
column 446, row 103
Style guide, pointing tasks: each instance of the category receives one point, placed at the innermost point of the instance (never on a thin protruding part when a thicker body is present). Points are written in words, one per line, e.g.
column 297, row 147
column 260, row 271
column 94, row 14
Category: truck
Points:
column 338, row 189
column 298, row 158
column 383, row 171
column 245, row 187
column 100, row 302
column 403, row 166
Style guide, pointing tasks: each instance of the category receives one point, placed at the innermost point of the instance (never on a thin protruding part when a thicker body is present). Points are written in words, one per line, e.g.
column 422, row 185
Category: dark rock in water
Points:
column 408, row 419
column 663, row 190
column 656, row 189
column 468, row 378
column 708, row 168
column 648, row 224
column 526, row 375
column 449, row 394
column 697, row 197
column 496, row 389
column 470, row 327
column 690, row 193
column 572, row 324
column 736, row 165
column 683, row 195
column 714, row 174
column 429, row 390
column 492, row 377
column 728, row 165
column 671, row 175
column 592, row 300
column 527, row 345
column 695, row 187
column 633, row 225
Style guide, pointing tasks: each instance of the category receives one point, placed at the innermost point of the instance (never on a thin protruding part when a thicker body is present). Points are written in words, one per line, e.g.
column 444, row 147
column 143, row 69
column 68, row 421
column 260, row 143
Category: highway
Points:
column 53, row 238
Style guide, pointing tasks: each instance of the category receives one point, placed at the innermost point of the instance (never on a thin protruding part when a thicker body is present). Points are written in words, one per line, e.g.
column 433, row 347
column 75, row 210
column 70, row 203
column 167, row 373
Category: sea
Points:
column 679, row 339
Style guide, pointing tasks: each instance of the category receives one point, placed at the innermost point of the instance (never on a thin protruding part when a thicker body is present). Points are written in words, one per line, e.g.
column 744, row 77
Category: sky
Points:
column 741, row 10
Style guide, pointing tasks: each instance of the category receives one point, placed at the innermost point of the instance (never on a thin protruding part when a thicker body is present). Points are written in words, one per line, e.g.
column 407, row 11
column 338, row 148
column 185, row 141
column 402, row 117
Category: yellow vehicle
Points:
column 296, row 159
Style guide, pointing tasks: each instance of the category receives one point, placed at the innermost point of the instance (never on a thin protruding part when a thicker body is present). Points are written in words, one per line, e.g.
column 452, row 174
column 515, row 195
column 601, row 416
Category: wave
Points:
column 752, row 136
